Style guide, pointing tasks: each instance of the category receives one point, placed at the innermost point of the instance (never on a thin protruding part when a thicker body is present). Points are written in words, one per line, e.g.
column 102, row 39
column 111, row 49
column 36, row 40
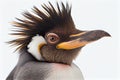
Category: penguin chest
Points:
column 65, row 72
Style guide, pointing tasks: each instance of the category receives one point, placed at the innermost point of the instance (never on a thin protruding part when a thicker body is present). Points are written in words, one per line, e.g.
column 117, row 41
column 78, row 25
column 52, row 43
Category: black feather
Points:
column 40, row 23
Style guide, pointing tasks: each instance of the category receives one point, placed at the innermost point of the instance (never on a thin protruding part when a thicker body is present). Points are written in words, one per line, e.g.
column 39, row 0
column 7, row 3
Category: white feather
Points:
column 65, row 72
column 33, row 46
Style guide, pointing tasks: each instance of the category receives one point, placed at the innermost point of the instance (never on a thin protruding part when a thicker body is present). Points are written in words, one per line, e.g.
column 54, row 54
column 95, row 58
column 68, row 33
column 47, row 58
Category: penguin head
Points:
column 50, row 35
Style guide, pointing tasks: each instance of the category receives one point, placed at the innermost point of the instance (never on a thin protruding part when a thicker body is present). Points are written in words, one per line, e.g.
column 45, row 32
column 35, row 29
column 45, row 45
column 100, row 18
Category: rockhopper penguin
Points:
column 48, row 42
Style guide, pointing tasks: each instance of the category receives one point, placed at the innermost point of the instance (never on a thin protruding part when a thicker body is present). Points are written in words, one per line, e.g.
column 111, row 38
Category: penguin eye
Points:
column 52, row 38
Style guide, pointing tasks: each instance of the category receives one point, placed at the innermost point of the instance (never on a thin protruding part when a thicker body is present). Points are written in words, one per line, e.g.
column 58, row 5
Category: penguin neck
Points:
column 60, row 66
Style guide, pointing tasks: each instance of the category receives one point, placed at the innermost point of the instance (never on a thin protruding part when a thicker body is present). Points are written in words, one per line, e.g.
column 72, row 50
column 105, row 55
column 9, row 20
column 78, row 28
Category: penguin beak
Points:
column 81, row 39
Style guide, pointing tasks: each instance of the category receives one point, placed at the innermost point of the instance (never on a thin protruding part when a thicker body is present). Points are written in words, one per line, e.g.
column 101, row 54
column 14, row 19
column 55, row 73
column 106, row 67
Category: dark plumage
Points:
column 48, row 43
column 41, row 22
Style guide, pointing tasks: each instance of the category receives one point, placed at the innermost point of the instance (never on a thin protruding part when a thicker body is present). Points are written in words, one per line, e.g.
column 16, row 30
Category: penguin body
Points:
column 48, row 44
column 48, row 71
column 29, row 69
column 65, row 72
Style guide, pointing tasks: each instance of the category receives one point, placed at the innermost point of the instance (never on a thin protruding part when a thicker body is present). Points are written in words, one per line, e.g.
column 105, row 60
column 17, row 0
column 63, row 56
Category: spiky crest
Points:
column 40, row 22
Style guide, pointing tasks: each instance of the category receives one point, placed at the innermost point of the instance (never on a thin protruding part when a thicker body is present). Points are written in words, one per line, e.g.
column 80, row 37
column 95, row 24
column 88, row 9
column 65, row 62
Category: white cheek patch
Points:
column 33, row 46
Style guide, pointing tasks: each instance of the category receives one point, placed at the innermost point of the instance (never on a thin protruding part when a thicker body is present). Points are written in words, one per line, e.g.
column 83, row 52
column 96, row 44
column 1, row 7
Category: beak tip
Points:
column 107, row 34
column 103, row 33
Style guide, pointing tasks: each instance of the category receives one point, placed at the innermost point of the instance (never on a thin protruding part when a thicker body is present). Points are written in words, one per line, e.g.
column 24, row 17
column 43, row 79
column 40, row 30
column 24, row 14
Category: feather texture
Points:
column 40, row 23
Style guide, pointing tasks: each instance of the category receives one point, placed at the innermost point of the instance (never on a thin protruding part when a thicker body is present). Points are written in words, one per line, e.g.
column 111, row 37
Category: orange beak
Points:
column 81, row 39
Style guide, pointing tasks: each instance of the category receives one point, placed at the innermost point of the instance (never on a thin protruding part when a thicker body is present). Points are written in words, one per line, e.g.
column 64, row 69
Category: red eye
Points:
column 52, row 38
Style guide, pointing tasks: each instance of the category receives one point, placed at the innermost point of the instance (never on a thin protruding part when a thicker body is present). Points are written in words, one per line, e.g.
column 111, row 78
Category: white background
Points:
column 97, row 60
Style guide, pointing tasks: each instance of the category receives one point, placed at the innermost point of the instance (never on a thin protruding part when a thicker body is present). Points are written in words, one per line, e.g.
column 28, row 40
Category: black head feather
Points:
column 40, row 23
